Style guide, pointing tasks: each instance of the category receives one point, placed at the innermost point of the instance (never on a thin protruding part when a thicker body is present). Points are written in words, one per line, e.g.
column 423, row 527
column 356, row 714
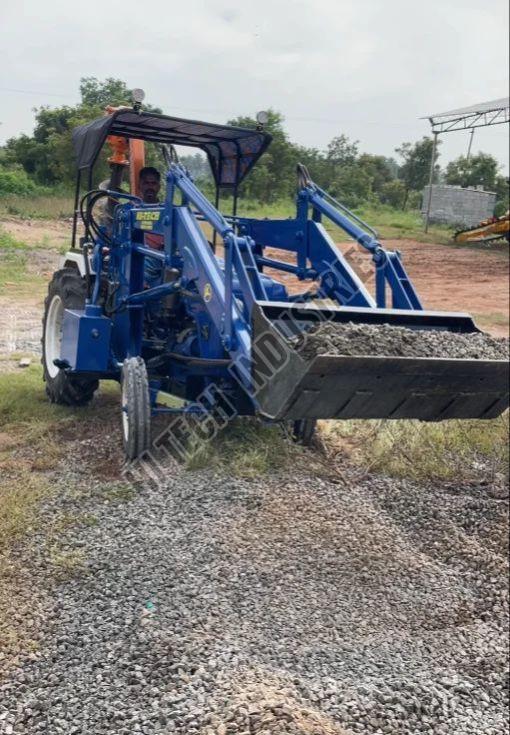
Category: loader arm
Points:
column 280, row 382
column 225, row 337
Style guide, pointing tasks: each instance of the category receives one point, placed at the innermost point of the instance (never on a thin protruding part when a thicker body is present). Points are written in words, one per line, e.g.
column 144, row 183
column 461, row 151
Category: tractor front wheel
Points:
column 303, row 431
column 67, row 290
column 136, row 407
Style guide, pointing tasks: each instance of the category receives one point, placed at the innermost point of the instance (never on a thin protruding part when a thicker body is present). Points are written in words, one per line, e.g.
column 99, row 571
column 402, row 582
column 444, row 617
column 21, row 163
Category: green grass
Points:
column 14, row 256
column 492, row 319
column 24, row 404
column 9, row 243
column 19, row 502
column 13, row 259
column 394, row 224
column 390, row 223
column 67, row 564
column 37, row 207
column 26, row 417
column 473, row 451
column 34, row 427
column 23, row 400
column 245, row 448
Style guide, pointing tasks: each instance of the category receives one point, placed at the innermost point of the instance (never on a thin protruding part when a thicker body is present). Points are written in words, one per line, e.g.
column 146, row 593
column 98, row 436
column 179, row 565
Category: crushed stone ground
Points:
column 384, row 340
column 211, row 605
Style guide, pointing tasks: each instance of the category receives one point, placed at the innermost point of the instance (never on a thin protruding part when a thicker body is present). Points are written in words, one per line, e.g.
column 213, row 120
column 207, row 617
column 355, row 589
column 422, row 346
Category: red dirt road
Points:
column 454, row 278
column 447, row 278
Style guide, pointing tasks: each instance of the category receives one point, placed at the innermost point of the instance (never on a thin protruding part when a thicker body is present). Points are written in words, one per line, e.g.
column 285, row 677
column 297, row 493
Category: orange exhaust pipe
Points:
column 127, row 153
column 136, row 163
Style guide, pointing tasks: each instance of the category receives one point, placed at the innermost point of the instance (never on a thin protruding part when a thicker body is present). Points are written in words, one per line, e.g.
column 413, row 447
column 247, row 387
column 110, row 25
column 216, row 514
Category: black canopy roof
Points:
column 231, row 151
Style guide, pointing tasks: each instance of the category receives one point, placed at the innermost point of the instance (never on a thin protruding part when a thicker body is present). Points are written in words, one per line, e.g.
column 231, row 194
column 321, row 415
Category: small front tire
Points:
column 136, row 407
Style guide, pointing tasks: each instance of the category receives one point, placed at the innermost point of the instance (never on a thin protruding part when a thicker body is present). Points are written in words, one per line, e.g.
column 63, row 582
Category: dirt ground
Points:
column 54, row 234
column 455, row 278
column 447, row 278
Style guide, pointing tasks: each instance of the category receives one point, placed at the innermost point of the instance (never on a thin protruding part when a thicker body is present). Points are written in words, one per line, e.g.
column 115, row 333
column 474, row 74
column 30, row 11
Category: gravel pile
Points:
column 384, row 340
column 217, row 606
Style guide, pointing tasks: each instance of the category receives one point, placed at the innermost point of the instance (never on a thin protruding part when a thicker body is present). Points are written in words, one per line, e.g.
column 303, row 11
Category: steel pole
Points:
column 470, row 144
column 431, row 178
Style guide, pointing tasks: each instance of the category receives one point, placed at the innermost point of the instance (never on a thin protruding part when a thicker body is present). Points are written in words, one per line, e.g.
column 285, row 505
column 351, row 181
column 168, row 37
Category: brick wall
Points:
column 456, row 206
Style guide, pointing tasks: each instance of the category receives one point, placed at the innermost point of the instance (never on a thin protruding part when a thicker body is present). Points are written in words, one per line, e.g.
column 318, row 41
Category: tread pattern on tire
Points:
column 69, row 390
column 135, row 379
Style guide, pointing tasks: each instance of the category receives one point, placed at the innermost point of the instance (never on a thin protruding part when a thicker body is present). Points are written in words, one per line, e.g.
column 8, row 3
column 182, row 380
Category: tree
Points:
column 48, row 155
column 198, row 167
column 502, row 195
column 479, row 170
column 393, row 193
column 274, row 176
column 415, row 169
column 100, row 94
column 378, row 168
column 351, row 185
column 342, row 152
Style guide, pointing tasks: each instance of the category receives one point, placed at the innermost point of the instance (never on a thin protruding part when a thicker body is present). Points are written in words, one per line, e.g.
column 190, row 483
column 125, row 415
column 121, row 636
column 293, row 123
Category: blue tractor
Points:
column 201, row 337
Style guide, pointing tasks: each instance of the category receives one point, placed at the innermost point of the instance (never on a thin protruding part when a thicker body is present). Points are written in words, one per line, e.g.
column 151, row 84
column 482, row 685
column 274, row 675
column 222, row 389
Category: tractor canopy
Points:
column 232, row 151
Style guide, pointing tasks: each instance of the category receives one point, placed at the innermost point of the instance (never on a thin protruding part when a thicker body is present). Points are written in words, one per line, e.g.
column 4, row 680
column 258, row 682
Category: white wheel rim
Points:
column 125, row 415
column 53, row 335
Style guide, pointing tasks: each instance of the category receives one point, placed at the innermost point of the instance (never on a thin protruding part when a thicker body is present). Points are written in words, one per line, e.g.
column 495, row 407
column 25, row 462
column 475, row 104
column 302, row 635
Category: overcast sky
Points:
column 366, row 68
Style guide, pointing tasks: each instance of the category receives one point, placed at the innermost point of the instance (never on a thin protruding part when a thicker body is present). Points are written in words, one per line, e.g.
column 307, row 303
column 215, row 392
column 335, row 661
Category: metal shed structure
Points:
column 494, row 112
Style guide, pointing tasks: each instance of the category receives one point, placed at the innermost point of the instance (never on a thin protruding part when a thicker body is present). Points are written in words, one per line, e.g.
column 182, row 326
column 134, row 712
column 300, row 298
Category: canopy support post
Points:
column 76, row 213
column 216, row 205
column 431, row 179
column 234, row 202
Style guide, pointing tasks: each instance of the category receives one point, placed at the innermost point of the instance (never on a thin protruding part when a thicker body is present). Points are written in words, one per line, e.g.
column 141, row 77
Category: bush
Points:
column 501, row 208
column 393, row 193
column 414, row 200
column 15, row 181
column 351, row 186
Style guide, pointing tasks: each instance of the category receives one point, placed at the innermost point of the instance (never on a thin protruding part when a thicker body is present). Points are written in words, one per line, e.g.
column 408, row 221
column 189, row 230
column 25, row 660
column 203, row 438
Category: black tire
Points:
column 67, row 290
column 136, row 407
column 303, row 431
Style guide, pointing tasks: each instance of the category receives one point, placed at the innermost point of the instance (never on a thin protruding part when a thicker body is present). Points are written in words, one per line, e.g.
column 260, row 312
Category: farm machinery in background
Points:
column 216, row 331
column 494, row 228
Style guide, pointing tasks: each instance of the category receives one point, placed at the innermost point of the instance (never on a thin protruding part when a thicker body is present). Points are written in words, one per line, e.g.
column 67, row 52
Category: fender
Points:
column 76, row 259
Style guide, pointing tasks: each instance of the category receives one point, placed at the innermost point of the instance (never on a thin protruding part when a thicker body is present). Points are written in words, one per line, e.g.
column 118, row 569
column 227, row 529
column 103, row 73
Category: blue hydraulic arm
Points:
column 201, row 268
column 317, row 255
column 388, row 264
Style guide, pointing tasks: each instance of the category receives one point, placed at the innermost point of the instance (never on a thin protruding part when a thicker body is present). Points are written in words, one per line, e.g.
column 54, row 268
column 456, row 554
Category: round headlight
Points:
column 138, row 96
column 262, row 117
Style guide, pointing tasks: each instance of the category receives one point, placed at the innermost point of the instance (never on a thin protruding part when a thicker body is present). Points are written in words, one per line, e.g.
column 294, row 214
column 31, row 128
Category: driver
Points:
column 149, row 184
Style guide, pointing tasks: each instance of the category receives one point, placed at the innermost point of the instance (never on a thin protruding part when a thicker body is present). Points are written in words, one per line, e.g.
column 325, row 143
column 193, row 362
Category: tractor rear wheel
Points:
column 67, row 290
column 136, row 407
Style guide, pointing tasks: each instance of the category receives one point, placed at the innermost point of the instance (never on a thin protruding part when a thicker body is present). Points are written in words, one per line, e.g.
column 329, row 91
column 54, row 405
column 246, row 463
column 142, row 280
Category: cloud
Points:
column 364, row 67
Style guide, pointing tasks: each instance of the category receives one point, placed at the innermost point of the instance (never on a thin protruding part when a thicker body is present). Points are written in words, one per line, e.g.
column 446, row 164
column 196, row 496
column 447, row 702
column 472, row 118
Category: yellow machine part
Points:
column 491, row 230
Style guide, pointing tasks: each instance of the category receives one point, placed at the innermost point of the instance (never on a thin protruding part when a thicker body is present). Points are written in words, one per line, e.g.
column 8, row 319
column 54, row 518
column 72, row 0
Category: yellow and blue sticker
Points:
column 146, row 219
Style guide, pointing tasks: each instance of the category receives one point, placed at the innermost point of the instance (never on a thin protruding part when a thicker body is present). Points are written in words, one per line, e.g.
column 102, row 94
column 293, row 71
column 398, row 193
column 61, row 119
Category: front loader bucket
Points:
column 361, row 387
